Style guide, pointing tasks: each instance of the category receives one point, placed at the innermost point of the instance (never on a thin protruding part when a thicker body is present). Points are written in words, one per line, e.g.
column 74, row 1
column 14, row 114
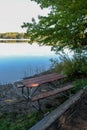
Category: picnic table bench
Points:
column 32, row 85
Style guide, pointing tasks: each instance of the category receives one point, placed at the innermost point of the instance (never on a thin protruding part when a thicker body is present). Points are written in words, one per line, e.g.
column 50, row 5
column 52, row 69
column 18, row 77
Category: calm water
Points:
column 20, row 60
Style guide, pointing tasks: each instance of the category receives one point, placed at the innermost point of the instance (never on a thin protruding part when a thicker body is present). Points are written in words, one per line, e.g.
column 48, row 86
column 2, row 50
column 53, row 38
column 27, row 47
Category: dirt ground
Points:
column 76, row 117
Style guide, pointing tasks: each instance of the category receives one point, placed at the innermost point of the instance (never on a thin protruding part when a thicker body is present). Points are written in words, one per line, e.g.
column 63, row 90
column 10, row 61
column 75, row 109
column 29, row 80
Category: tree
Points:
column 64, row 26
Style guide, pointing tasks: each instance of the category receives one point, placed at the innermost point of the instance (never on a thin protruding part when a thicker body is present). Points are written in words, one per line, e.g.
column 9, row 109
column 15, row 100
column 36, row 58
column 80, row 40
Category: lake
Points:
column 19, row 60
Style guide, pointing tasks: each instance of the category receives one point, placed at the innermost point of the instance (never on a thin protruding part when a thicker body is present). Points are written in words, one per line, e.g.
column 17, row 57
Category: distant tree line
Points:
column 13, row 35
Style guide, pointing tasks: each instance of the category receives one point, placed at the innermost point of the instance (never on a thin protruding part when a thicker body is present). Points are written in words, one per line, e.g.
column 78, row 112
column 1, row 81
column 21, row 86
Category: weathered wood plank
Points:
column 40, row 80
column 39, row 77
column 51, row 93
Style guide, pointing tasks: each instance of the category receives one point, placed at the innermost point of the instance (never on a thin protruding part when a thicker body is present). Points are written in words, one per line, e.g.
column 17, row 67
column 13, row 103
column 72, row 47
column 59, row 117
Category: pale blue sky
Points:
column 14, row 12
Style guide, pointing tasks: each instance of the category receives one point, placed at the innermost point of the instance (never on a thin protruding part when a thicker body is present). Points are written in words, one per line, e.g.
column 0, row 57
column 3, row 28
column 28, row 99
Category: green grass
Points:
column 13, row 121
column 74, row 67
column 80, row 84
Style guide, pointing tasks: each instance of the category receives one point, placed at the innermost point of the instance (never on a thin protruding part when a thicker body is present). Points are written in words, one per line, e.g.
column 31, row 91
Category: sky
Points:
column 14, row 12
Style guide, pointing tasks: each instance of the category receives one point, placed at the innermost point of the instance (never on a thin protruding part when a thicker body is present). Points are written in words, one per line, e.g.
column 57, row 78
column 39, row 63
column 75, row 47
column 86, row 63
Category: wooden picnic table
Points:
column 32, row 85
column 36, row 82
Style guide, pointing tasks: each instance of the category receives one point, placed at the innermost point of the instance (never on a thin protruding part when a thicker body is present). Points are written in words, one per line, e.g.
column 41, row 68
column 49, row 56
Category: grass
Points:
column 71, row 67
column 80, row 84
column 13, row 121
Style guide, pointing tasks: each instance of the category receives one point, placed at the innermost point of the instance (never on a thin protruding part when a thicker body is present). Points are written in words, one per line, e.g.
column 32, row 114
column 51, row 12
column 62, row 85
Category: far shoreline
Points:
column 13, row 40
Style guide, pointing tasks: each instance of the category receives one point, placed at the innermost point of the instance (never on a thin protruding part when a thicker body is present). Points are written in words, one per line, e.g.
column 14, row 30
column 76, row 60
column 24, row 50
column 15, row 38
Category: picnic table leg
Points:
column 39, row 105
column 66, row 95
column 52, row 85
column 28, row 93
column 22, row 90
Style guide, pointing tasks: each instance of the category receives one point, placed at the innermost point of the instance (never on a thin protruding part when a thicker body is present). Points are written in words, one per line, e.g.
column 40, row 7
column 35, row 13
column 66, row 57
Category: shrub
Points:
column 75, row 66
column 80, row 84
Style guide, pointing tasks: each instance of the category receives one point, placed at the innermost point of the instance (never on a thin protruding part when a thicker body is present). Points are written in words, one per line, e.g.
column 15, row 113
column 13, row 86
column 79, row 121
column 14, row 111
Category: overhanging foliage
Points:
column 65, row 25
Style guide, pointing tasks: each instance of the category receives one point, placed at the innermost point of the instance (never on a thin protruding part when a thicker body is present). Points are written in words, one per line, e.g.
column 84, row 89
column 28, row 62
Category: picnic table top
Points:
column 46, row 78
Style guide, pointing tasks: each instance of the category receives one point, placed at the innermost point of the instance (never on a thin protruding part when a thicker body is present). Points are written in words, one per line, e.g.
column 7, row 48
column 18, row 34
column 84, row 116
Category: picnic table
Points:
column 32, row 85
